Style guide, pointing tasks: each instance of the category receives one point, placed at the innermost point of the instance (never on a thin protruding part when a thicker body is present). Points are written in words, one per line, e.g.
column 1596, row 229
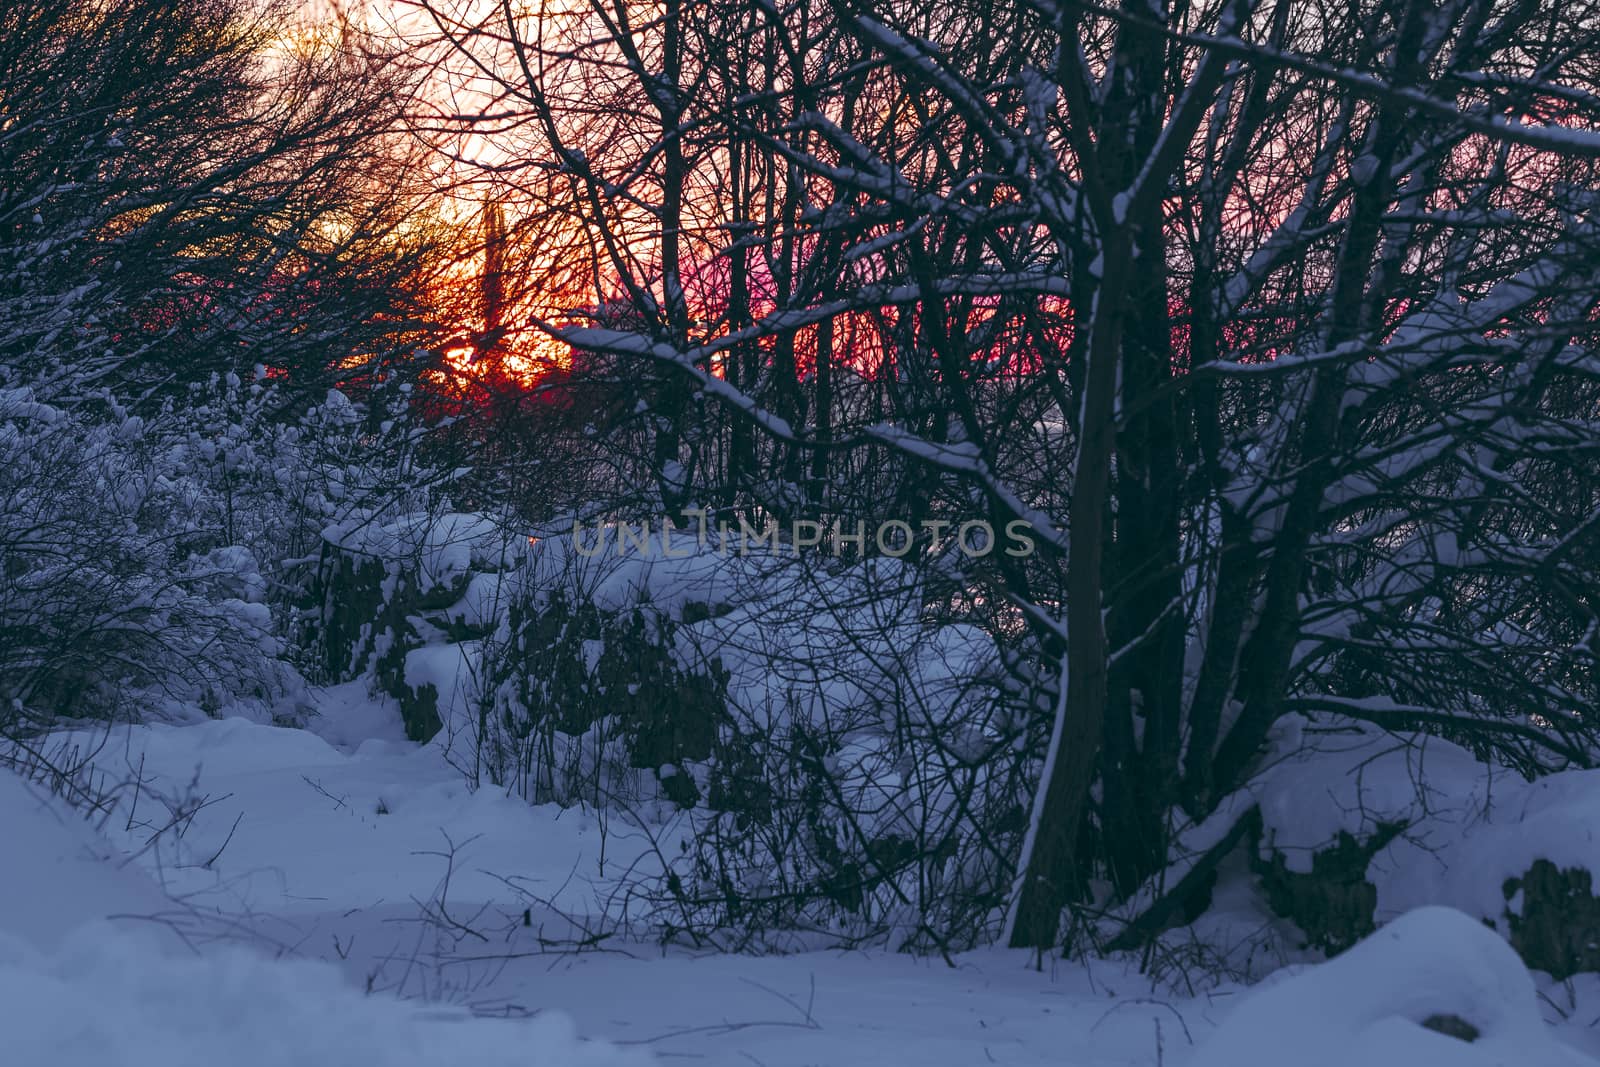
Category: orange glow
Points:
column 534, row 356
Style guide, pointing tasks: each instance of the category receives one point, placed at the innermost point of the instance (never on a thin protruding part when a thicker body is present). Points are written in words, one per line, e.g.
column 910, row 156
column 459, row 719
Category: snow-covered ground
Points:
column 338, row 895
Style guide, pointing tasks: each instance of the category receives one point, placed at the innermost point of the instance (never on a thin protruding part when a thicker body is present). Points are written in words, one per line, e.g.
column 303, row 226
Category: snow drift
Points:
column 1385, row 1002
column 86, row 978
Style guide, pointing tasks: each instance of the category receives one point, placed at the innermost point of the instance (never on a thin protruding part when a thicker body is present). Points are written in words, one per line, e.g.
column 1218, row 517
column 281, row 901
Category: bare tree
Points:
column 1276, row 323
column 190, row 189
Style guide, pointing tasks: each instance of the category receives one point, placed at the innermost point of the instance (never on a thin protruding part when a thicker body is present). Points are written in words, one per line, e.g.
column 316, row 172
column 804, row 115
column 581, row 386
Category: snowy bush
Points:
column 590, row 696
column 160, row 563
column 848, row 766
column 109, row 587
column 393, row 583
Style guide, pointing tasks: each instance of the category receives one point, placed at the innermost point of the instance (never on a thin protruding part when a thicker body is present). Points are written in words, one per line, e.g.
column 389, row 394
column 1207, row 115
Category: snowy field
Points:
column 340, row 896
column 629, row 533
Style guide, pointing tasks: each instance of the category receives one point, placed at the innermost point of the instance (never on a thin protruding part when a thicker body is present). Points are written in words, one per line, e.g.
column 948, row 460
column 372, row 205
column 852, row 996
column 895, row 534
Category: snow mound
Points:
column 77, row 988
column 453, row 544
column 57, row 874
column 482, row 604
column 1454, row 831
column 1356, row 781
column 111, row 998
column 1465, row 863
column 1366, row 1008
column 443, row 549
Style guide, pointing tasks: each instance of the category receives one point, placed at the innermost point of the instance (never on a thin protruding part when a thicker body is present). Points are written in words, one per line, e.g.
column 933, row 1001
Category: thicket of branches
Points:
column 1276, row 321
column 189, row 189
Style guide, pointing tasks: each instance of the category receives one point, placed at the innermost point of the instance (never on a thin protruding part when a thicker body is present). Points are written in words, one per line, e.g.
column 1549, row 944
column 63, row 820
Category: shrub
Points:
column 842, row 765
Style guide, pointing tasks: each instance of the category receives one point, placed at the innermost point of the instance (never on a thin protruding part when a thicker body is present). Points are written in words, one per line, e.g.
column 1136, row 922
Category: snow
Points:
column 314, row 872
column 90, row 973
column 363, row 719
column 58, row 873
column 482, row 604
column 1353, row 780
column 327, row 862
column 835, row 1009
column 443, row 547
column 310, row 836
column 1465, row 862
column 782, row 631
column 450, row 669
column 1466, row 827
column 111, row 999
column 614, row 567
column 452, row 543
column 1368, row 1005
